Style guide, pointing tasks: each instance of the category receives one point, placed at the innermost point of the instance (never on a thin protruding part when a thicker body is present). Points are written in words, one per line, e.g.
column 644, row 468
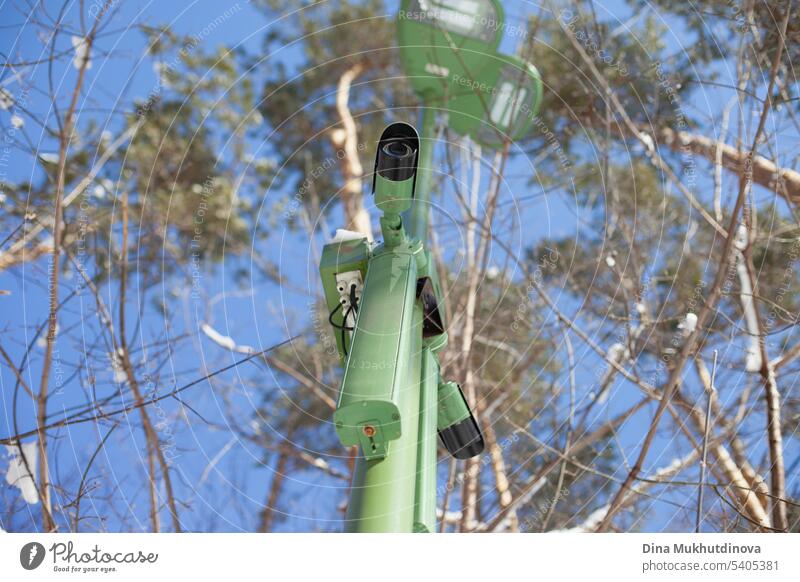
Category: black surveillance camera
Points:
column 395, row 175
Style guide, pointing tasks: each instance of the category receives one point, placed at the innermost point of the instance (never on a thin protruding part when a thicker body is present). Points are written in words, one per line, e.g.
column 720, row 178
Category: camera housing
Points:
column 455, row 423
column 395, row 178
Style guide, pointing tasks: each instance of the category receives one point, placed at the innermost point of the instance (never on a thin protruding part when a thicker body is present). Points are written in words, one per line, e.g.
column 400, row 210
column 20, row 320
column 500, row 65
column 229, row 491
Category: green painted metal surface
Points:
column 417, row 218
column 393, row 197
column 448, row 49
column 382, row 497
column 451, row 406
column 502, row 103
column 377, row 370
column 425, row 504
column 442, row 40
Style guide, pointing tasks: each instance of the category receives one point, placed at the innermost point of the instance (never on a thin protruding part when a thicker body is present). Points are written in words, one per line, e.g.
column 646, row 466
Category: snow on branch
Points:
column 21, row 469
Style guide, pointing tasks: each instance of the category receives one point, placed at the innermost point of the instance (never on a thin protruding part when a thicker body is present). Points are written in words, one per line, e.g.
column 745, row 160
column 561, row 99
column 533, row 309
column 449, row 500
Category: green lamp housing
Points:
column 502, row 107
column 442, row 41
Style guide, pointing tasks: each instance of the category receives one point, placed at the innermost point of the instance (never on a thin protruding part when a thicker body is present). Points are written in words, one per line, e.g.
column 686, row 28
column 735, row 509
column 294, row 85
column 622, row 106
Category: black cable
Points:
column 344, row 319
column 353, row 299
column 345, row 328
column 332, row 313
column 353, row 307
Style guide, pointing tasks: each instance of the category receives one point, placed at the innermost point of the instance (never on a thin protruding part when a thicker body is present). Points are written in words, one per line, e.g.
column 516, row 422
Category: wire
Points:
column 353, row 298
column 332, row 313
column 344, row 319
column 353, row 307
column 345, row 328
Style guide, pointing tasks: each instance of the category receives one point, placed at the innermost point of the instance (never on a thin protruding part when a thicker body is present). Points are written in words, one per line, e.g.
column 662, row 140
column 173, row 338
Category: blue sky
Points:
column 229, row 476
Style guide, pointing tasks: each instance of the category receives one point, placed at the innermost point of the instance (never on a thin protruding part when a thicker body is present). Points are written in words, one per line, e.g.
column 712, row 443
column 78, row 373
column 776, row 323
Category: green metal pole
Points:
column 425, row 507
column 418, row 216
column 383, row 490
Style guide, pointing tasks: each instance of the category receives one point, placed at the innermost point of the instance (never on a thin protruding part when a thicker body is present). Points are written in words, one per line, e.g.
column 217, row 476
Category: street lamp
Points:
column 444, row 40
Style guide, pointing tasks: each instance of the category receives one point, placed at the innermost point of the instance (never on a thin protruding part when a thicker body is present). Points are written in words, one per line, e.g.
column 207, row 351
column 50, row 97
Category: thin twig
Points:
column 704, row 463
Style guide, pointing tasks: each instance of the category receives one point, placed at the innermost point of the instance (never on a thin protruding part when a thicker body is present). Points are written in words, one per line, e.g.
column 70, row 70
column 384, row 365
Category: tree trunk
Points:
column 345, row 140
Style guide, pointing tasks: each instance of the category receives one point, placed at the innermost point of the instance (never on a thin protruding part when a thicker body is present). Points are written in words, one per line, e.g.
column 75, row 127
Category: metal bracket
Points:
column 432, row 319
column 373, row 444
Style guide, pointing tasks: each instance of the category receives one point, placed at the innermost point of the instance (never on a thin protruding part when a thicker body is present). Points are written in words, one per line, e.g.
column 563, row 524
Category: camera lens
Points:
column 396, row 158
column 397, row 149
